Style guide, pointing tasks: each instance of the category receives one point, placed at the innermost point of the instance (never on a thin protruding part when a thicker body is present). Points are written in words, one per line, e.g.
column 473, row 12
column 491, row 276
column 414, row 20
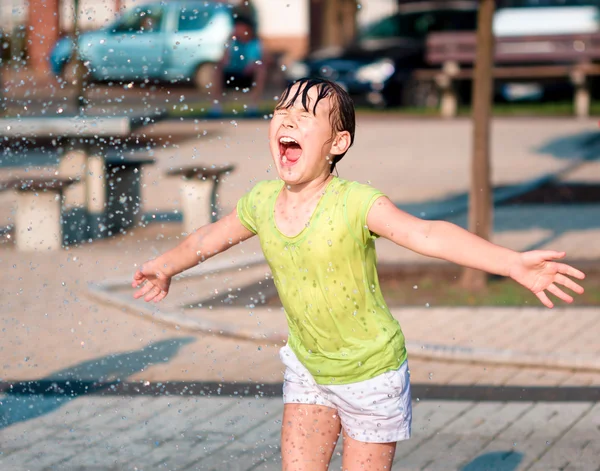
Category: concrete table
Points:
column 199, row 193
column 98, row 151
column 38, row 221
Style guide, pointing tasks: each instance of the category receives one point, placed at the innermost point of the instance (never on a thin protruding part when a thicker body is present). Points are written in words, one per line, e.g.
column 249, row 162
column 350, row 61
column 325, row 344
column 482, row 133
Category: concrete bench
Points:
column 198, row 188
column 38, row 219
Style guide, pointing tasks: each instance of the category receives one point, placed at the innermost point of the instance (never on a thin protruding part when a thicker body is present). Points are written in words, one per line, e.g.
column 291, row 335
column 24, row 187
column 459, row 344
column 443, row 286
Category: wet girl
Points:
column 346, row 363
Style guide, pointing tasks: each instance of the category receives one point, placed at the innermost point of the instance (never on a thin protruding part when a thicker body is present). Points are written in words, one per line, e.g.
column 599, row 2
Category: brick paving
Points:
column 229, row 433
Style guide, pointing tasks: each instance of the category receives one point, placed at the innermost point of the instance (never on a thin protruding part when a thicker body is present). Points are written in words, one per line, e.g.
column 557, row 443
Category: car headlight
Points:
column 377, row 72
column 297, row 70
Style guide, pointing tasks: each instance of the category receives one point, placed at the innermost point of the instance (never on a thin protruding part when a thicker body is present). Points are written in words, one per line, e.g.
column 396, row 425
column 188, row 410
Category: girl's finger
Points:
column 559, row 293
column 152, row 293
column 138, row 279
column 143, row 290
column 160, row 296
column 544, row 299
column 551, row 254
column 568, row 283
column 570, row 271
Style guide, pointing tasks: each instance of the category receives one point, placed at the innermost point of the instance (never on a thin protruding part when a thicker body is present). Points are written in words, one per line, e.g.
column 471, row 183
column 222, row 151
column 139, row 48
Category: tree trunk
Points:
column 480, row 196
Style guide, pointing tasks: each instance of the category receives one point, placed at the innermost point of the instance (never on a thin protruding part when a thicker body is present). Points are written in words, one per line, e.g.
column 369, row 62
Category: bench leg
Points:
column 72, row 165
column 38, row 223
column 196, row 199
column 448, row 105
column 95, row 186
column 582, row 101
column 123, row 206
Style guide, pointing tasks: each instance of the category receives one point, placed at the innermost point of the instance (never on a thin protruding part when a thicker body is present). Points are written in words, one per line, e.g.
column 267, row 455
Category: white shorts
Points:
column 377, row 410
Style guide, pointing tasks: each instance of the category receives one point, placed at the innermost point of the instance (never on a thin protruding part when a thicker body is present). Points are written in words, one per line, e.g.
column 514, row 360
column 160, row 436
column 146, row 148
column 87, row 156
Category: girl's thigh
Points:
column 361, row 456
column 309, row 434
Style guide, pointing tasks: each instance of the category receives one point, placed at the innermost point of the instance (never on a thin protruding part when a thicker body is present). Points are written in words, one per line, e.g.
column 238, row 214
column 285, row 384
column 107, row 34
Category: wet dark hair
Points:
column 342, row 114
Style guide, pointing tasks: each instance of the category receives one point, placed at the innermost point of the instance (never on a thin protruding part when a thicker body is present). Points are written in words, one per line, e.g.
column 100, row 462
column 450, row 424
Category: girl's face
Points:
column 302, row 143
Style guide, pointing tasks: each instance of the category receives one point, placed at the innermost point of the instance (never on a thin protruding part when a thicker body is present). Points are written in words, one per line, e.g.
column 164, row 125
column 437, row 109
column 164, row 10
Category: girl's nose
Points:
column 289, row 123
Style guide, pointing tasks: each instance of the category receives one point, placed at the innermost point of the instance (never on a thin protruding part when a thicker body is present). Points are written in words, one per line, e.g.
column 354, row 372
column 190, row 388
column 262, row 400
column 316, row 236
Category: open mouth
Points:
column 289, row 150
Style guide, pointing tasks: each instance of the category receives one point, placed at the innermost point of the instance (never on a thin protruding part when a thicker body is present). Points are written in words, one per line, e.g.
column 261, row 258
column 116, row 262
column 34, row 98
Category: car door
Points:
column 135, row 45
column 199, row 37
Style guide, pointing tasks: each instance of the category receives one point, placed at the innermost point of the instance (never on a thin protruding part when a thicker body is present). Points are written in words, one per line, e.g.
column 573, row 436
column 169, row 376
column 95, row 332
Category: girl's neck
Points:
column 307, row 191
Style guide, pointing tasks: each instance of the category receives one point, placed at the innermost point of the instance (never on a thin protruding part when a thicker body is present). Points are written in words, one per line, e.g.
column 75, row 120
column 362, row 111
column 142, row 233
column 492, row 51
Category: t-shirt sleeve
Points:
column 359, row 200
column 247, row 208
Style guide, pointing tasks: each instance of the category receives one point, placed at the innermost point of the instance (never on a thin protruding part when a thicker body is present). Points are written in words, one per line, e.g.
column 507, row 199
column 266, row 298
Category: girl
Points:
column 346, row 363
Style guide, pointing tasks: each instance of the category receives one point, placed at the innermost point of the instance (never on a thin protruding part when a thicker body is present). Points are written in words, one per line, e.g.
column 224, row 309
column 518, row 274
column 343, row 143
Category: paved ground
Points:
column 54, row 331
column 229, row 433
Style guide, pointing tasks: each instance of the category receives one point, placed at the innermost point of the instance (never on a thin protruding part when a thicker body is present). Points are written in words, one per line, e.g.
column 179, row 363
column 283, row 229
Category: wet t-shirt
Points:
column 339, row 324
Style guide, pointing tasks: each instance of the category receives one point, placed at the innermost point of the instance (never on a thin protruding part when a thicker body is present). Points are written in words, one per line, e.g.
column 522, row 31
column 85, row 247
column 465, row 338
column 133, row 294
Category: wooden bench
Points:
column 535, row 58
column 199, row 185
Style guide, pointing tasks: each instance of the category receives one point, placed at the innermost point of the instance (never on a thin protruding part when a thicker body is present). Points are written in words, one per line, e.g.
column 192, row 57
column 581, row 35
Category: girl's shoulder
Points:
column 264, row 189
column 356, row 189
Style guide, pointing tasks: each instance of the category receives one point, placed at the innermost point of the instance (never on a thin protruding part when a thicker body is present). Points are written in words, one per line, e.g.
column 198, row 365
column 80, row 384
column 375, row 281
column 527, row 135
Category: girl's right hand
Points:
column 154, row 283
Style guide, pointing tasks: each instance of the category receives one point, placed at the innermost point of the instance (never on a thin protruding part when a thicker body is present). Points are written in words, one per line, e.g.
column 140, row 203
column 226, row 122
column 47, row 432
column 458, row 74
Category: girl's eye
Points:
column 306, row 115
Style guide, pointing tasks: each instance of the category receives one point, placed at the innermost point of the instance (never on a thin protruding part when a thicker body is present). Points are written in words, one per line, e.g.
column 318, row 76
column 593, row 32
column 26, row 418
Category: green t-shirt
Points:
column 340, row 327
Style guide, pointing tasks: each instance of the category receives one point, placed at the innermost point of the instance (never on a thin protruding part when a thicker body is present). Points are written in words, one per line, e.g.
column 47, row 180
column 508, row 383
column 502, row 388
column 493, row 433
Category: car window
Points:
column 141, row 20
column 192, row 19
column 419, row 24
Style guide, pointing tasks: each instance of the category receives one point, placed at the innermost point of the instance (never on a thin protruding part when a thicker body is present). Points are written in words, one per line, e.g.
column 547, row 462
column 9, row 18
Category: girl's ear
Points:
column 341, row 143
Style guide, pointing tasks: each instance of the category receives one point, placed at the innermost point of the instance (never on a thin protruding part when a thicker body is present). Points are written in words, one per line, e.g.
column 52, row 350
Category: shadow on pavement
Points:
column 33, row 399
column 495, row 461
column 541, row 203
column 582, row 146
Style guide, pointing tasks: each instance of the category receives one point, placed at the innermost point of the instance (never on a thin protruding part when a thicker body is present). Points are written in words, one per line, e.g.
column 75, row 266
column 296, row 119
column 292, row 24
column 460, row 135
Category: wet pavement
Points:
column 70, row 327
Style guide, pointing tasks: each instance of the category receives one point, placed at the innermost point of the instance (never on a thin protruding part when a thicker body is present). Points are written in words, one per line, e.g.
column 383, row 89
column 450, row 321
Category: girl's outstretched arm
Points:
column 536, row 270
column 155, row 275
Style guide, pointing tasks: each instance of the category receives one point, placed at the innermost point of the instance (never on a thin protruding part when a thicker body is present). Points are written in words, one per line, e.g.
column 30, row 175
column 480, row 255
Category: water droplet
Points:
column 329, row 243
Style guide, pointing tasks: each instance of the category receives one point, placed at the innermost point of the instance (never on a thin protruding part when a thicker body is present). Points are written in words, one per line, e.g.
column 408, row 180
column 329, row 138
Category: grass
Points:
column 265, row 107
column 499, row 109
column 439, row 288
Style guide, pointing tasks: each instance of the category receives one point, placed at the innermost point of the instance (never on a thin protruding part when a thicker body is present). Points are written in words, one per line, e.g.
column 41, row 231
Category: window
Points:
column 193, row 19
column 419, row 24
column 141, row 20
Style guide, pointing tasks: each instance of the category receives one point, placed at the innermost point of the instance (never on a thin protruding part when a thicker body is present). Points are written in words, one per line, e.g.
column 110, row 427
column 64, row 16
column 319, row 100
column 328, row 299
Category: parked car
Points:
column 167, row 41
column 377, row 67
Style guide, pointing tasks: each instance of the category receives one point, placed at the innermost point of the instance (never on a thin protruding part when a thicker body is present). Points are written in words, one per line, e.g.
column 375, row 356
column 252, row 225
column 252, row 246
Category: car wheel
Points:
column 204, row 76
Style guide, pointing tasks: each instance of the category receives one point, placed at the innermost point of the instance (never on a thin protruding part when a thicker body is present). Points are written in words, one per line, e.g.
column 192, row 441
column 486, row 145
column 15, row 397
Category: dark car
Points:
column 377, row 67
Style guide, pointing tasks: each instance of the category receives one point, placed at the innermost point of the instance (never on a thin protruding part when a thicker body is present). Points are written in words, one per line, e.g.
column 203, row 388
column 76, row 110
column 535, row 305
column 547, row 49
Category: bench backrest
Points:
column 568, row 48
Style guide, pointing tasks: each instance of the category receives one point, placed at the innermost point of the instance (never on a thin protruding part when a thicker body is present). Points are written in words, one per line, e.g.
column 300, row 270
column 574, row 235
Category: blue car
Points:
column 169, row 41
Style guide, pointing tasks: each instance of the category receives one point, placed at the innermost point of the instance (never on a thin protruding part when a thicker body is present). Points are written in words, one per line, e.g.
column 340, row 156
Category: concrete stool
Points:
column 198, row 193
column 38, row 222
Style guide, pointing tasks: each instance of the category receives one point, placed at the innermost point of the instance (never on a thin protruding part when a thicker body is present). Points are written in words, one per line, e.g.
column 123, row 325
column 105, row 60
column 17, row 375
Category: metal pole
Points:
column 480, row 196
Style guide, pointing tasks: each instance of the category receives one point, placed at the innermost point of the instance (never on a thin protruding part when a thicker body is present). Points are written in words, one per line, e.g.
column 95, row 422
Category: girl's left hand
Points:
column 538, row 272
